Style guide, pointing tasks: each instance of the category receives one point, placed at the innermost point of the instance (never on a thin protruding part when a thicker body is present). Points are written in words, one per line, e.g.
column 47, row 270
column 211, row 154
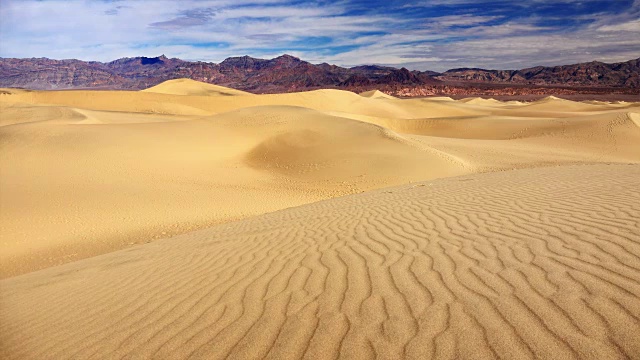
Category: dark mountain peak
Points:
column 464, row 69
column 140, row 60
column 367, row 68
column 287, row 57
column 239, row 58
column 152, row 61
column 242, row 62
column 327, row 67
column 287, row 60
column 250, row 63
column 400, row 76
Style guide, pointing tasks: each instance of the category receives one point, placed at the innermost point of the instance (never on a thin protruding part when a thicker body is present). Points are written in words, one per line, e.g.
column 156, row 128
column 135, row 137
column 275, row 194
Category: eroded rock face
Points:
column 288, row 73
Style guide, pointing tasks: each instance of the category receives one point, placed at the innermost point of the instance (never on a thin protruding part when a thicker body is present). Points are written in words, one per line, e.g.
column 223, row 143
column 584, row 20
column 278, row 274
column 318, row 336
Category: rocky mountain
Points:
column 284, row 73
column 288, row 73
column 595, row 73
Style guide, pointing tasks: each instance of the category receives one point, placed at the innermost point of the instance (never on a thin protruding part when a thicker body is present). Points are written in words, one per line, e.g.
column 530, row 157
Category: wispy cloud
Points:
column 191, row 17
column 433, row 34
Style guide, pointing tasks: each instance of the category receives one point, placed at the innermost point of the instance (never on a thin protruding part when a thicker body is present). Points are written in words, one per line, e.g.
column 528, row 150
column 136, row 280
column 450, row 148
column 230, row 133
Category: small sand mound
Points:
column 376, row 94
column 552, row 104
column 551, row 98
column 439, row 98
column 482, row 102
column 192, row 87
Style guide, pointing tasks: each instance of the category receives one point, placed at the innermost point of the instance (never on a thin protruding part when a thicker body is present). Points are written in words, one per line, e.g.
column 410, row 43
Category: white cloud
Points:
column 106, row 30
column 461, row 20
column 631, row 26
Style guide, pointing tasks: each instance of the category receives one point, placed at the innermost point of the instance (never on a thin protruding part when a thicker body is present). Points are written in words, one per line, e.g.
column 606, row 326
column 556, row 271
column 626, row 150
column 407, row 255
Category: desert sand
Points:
column 192, row 220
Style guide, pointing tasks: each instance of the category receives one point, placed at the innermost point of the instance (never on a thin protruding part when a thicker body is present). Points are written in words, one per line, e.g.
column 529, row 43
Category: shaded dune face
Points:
column 473, row 267
column 316, row 146
column 635, row 118
column 293, row 149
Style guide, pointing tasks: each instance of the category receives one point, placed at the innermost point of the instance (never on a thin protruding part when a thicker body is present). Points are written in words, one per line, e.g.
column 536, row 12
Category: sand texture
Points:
column 192, row 220
column 534, row 263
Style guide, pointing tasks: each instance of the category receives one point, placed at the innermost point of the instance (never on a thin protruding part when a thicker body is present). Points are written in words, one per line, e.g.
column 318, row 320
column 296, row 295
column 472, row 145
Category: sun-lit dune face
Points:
column 87, row 172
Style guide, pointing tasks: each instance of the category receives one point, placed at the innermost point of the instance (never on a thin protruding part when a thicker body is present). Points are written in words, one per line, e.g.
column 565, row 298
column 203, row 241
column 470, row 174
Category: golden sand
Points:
column 477, row 228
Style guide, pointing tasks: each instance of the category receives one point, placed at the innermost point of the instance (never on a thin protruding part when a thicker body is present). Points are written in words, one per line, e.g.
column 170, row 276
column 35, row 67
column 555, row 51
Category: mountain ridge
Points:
column 288, row 73
column 575, row 74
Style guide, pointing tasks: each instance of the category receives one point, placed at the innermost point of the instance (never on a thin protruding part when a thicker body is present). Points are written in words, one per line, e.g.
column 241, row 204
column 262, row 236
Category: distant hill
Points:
column 595, row 73
column 288, row 73
column 284, row 73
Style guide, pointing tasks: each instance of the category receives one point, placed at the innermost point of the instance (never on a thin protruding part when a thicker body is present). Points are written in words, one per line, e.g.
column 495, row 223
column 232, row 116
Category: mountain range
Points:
column 287, row 73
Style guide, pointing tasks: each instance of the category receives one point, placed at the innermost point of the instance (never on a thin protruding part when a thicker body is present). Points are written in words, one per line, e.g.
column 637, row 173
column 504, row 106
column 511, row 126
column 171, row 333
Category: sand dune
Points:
column 90, row 184
column 192, row 220
column 321, row 100
column 192, row 87
column 483, row 102
column 538, row 263
column 376, row 94
column 88, row 172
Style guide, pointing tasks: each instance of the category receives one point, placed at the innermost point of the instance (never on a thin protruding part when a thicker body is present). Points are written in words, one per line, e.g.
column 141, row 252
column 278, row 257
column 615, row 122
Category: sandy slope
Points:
column 88, row 172
column 534, row 263
column 192, row 87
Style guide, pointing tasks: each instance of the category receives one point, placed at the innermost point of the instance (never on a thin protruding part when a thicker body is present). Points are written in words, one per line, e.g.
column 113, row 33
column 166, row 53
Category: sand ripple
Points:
column 534, row 263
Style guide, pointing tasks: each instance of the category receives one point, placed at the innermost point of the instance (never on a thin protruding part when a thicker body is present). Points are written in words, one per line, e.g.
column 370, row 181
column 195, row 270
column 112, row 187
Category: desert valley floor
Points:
column 194, row 221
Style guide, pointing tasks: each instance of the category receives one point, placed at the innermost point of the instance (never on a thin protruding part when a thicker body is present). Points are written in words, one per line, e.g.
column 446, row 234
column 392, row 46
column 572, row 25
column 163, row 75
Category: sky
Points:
column 422, row 35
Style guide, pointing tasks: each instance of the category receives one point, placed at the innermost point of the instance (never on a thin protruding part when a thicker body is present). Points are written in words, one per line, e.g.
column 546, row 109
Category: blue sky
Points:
column 429, row 34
